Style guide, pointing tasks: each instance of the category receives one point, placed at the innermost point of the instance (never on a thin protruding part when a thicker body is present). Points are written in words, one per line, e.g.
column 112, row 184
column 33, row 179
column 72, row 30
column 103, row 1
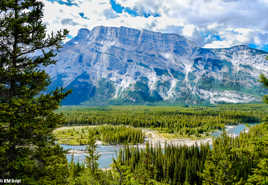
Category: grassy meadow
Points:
column 108, row 134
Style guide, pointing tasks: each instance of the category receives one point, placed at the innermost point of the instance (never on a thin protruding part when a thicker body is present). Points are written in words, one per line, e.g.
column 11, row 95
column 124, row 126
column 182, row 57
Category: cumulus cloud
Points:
column 68, row 21
column 88, row 14
column 236, row 21
column 210, row 23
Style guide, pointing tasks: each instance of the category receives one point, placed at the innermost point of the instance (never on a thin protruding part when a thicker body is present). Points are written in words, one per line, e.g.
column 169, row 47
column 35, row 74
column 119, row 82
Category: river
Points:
column 108, row 152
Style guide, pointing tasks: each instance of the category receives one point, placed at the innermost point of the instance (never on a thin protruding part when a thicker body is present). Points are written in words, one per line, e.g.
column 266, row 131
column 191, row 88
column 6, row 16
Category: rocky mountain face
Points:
column 110, row 65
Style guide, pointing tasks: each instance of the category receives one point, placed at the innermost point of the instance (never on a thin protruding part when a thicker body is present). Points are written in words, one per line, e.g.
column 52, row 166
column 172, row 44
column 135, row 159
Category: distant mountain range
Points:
column 110, row 65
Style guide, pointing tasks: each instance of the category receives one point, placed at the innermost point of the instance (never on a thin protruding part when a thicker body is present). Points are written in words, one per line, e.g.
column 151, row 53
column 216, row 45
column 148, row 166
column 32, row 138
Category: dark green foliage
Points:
column 123, row 175
column 192, row 121
column 264, row 80
column 171, row 164
column 120, row 135
column 240, row 160
column 233, row 160
column 82, row 175
column 260, row 173
column 106, row 133
column 93, row 156
column 27, row 148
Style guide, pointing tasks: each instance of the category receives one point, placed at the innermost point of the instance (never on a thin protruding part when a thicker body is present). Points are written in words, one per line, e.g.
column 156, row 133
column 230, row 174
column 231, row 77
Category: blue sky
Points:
column 118, row 8
column 209, row 23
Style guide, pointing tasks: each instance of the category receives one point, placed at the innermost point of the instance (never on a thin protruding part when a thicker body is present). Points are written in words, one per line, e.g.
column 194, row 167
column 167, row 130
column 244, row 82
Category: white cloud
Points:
column 234, row 21
column 243, row 17
column 188, row 30
column 219, row 44
column 55, row 15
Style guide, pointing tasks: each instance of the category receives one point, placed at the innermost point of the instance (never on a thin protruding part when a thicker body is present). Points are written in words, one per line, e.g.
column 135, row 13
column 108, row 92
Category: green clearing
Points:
column 106, row 133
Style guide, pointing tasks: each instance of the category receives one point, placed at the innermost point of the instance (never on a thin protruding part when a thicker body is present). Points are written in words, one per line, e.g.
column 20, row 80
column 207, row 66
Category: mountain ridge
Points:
column 111, row 65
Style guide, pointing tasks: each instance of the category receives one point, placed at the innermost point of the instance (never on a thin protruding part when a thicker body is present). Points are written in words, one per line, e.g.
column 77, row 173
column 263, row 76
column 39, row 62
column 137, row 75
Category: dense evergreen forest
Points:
column 230, row 160
column 106, row 133
column 181, row 121
column 30, row 154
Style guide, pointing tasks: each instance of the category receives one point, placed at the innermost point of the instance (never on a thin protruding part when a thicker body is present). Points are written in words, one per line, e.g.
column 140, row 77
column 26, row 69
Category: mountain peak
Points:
column 81, row 35
column 144, row 40
column 83, row 30
column 126, row 65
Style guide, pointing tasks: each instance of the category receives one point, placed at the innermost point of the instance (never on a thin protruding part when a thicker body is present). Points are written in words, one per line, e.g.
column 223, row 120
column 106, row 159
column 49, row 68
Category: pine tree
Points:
column 260, row 175
column 264, row 81
column 27, row 147
column 220, row 165
column 93, row 156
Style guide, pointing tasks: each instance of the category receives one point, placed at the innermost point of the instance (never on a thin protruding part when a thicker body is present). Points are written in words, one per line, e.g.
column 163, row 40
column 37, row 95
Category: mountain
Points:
column 110, row 65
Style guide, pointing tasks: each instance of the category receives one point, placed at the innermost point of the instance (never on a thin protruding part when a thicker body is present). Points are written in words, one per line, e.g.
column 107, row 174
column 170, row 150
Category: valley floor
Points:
column 153, row 137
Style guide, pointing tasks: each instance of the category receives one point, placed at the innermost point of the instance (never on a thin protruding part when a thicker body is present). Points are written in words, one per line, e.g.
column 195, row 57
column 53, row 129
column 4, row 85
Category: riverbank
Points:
column 152, row 137
column 107, row 134
column 156, row 138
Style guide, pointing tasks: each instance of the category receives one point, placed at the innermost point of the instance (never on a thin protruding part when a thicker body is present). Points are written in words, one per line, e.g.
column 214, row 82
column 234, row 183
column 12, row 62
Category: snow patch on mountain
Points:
column 140, row 66
column 226, row 96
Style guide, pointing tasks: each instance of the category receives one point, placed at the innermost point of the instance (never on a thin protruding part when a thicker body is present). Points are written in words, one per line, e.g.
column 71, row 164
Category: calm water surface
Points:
column 234, row 130
column 108, row 152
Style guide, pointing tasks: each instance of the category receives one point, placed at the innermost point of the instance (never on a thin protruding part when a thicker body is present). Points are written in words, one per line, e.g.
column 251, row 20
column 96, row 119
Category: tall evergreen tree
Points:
column 27, row 147
column 264, row 80
column 93, row 156
column 221, row 163
column 260, row 173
